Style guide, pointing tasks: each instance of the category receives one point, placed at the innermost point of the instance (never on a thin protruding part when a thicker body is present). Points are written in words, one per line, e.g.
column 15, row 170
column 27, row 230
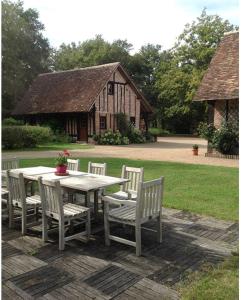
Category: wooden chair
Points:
column 98, row 169
column 148, row 205
column 10, row 163
column 73, row 164
column 53, row 208
column 19, row 200
column 129, row 189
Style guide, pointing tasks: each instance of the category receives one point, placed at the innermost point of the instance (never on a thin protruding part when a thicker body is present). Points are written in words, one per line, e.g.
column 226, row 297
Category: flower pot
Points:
column 61, row 169
column 195, row 151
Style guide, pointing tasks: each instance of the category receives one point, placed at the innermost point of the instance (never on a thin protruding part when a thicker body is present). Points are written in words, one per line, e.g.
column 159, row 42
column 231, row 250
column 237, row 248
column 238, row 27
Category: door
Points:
column 83, row 128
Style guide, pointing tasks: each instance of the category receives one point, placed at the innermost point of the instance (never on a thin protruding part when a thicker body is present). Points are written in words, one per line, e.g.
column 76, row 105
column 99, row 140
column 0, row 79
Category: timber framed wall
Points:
column 124, row 100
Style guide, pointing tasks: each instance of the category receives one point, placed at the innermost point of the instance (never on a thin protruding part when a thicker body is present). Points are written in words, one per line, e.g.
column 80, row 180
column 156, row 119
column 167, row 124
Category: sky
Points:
column 138, row 21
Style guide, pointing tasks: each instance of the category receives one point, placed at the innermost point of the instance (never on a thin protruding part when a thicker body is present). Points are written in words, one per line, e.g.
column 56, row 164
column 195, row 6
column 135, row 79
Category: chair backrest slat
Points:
column 73, row 164
column 10, row 163
column 135, row 176
column 51, row 197
column 149, row 198
column 16, row 187
column 97, row 168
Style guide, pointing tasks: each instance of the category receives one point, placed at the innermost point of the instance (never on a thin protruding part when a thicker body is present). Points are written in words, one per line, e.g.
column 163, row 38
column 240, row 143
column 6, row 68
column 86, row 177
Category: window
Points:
column 111, row 88
column 133, row 120
column 102, row 122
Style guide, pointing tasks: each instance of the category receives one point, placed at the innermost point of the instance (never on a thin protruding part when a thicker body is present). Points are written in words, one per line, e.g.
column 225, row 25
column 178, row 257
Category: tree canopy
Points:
column 25, row 52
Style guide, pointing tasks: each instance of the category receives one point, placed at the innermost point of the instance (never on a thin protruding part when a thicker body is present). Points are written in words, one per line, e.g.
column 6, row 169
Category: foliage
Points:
column 195, row 146
column 62, row 158
column 111, row 138
column 213, row 282
column 25, row 52
column 126, row 128
column 206, row 131
column 14, row 137
column 91, row 52
column 180, row 72
column 192, row 192
column 226, row 139
column 134, row 135
column 154, row 131
column 11, row 122
column 123, row 124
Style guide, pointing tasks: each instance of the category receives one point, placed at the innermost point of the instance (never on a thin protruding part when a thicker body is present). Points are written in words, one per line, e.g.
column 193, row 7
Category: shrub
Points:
column 148, row 136
column 61, row 137
column 206, row 131
column 226, row 139
column 12, row 122
column 122, row 123
column 154, row 131
column 111, row 138
column 134, row 135
column 14, row 137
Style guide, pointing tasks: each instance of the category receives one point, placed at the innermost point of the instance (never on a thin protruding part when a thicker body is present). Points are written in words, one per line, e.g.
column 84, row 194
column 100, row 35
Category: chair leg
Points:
column 107, row 226
column 138, row 239
column 45, row 228
column 88, row 225
column 61, row 235
column 24, row 221
column 10, row 215
column 159, row 229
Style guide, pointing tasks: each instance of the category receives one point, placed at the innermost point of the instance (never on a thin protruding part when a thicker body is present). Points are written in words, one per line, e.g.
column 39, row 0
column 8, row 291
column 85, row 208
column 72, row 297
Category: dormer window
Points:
column 111, row 88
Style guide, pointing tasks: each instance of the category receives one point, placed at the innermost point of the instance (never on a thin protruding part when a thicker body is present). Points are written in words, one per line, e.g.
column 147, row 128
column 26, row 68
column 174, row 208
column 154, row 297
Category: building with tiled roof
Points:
column 220, row 84
column 87, row 100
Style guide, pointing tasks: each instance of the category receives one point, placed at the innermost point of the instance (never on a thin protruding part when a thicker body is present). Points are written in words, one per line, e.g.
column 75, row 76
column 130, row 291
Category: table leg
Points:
column 87, row 199
column 96, row 204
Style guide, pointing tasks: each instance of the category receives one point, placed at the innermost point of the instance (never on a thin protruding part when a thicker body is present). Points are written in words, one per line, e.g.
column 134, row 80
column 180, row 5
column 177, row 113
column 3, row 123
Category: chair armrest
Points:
column 117, row 201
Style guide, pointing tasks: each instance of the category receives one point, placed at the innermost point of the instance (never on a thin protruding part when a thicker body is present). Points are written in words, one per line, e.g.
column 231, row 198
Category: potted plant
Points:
column 195, row 149
column 61, row 162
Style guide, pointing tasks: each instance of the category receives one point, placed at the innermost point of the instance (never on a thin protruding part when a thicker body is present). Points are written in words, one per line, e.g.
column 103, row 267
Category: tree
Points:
column 91, row 52
column 179, row 77
column 143, row 67
column 25, row 52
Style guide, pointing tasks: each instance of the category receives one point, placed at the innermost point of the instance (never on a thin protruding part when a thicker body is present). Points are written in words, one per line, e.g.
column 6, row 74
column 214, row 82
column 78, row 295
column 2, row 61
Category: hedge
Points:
column 14, row 137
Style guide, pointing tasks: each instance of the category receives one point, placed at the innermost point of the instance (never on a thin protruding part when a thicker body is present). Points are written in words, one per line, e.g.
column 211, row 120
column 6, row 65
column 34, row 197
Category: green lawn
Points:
column 202, row 189
column 57, row 146
column 213, row 283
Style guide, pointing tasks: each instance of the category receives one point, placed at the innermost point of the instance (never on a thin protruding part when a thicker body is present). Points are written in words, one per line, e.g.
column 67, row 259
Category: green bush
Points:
column 61, row 137
column 14, row 137
column 12, row 122
column 111, row 138
column 135, row 136
column 206, row 131
column 226, row 139
column 122, row 124
column 154, row 131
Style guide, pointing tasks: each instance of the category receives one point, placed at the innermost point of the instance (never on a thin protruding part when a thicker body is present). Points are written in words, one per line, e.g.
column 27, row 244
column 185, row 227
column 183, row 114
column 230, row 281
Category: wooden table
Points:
column 78, row 181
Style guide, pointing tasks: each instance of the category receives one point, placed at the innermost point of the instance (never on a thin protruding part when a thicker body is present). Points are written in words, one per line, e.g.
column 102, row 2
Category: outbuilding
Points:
column 86, row 100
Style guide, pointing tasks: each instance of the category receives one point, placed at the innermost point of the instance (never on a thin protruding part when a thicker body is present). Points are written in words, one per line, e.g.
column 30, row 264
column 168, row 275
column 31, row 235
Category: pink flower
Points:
column 66, row 152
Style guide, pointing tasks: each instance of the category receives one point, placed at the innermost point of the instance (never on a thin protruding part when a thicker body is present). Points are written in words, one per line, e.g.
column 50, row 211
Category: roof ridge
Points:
column 230, row 32
column 85, row 68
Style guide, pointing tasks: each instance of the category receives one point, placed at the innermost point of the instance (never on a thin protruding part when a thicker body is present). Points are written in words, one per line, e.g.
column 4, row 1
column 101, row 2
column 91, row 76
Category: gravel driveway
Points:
column 175, row 149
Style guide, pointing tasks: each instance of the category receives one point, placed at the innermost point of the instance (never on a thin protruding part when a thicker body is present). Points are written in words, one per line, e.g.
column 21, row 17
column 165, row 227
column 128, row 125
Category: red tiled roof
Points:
column 221, row 81
column 68, row 91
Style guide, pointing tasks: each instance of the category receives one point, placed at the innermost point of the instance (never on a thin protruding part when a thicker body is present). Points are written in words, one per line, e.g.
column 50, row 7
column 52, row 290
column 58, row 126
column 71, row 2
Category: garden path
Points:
column 175, row 149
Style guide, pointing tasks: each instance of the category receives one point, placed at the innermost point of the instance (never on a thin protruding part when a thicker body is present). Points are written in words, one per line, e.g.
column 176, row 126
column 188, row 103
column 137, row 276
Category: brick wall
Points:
column 221, row 109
